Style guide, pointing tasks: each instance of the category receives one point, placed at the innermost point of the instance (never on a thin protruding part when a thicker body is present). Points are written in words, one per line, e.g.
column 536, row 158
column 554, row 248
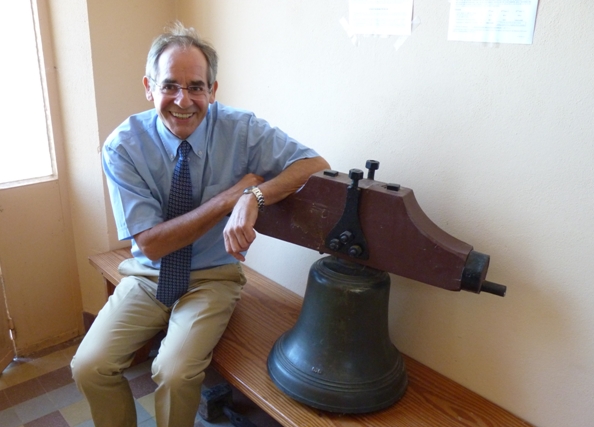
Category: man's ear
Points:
column 213, row 92
column 147, row 88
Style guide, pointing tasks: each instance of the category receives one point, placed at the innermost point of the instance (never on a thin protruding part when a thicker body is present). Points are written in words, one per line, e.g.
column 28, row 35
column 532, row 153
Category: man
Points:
column 237, row 164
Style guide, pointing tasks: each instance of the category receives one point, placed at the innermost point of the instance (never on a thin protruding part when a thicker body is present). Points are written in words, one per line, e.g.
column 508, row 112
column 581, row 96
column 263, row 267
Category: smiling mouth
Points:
column 181, row 115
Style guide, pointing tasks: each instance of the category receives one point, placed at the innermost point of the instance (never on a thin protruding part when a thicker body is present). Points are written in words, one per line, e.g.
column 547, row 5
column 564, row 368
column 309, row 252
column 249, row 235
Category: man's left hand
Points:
column 239, row 232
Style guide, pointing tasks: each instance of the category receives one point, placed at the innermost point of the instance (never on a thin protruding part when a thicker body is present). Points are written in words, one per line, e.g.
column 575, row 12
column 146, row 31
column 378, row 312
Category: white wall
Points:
column 496, row 142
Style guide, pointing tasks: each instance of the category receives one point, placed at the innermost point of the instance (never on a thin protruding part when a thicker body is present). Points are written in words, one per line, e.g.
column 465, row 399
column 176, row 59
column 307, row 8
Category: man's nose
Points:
column 183, row 98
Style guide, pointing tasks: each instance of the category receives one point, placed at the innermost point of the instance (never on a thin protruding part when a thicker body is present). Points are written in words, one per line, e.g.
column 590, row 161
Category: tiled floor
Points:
column 39, row 392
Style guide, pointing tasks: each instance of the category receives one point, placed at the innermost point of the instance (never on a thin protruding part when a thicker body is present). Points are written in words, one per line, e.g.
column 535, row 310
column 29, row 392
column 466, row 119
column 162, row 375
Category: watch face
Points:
column 248, row 190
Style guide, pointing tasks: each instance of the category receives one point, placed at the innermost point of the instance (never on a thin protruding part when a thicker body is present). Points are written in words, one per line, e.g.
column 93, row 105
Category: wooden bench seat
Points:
column 265, row 311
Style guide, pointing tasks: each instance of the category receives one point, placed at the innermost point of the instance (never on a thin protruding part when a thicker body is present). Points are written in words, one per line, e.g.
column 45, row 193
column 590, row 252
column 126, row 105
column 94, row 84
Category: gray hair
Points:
column 178, row 35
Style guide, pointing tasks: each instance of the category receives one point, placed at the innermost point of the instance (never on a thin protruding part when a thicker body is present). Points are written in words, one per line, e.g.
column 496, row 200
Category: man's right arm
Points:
column 169, row 236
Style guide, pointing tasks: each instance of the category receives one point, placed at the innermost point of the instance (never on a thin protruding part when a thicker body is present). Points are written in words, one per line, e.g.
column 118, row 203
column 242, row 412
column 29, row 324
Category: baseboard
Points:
column 88, row 319
column 48, row 344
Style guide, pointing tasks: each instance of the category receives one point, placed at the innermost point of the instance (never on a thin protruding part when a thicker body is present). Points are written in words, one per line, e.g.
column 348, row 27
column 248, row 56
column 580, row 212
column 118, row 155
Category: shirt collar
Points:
column 172, row 142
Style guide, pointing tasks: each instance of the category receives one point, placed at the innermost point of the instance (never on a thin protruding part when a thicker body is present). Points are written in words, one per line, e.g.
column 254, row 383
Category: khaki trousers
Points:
column 130, row 318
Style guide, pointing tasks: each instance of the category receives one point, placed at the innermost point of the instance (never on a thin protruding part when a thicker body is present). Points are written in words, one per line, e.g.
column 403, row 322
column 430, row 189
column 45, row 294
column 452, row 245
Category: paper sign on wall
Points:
column 381, row 17
column 492, row 21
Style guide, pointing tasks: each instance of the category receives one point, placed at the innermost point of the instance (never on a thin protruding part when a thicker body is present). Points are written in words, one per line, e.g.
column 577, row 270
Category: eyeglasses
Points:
column 173, row 89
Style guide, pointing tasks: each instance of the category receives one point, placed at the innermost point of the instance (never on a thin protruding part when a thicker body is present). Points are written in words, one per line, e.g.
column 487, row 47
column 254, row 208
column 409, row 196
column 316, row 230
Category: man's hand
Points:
column 239, row 232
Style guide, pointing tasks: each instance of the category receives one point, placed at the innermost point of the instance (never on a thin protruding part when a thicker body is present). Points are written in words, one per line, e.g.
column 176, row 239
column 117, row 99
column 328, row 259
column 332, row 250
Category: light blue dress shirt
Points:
column 139, row 157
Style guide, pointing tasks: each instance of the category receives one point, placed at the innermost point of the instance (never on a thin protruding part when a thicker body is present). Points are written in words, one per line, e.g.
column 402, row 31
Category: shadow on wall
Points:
column 491, row 345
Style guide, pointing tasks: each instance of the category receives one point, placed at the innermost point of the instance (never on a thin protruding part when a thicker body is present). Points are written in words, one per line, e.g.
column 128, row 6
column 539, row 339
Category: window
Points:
column 26, row 146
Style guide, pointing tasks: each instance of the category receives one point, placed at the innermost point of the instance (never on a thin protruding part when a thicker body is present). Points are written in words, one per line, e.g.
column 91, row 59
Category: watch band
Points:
column 257, row 194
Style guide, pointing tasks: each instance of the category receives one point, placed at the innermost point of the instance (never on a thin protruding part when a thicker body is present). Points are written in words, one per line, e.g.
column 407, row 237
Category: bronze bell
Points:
column 339, row 357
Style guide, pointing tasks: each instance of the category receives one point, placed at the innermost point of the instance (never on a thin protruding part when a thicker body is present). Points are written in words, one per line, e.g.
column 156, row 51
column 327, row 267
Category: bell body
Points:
column 339, row 357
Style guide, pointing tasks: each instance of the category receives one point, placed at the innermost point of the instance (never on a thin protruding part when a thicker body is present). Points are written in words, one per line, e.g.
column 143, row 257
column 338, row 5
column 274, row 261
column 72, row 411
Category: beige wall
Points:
column 496, row 142
column 101, row 49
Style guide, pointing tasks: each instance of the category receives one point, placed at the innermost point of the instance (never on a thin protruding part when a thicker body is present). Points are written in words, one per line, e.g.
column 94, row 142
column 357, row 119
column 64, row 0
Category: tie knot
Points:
column 184, row 149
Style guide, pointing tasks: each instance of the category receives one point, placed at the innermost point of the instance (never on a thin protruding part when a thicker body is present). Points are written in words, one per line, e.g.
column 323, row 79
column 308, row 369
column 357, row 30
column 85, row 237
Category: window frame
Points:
column 49, row 88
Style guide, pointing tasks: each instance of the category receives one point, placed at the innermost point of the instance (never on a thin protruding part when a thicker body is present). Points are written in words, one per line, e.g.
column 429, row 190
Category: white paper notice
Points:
column 381, row 17
column 492, row 21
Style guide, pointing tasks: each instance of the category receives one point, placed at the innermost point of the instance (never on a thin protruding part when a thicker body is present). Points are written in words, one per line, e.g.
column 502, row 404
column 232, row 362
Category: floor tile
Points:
column 138, row 370
column 24, row 391
column 65, row 396
column 76, row 413
column 148, row 403
column 148, row 423
column 53, row 419
column 50, row 362
column 9, row 418
column 16, row 373
column 4, row 402
column 141, row 413
column 34, row 408
column 56, row 379
column 142, row 385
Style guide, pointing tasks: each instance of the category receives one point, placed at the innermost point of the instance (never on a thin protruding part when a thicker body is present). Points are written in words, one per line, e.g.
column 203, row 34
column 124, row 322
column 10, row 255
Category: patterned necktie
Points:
column 175, row 267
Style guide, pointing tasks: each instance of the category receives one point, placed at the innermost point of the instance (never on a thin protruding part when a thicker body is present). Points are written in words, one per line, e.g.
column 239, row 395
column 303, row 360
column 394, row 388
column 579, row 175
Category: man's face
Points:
column 181, row 113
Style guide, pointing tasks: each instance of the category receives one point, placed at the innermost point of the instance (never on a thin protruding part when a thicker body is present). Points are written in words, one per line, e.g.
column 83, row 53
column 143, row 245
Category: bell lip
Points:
column 337, row 397
column 278, row 354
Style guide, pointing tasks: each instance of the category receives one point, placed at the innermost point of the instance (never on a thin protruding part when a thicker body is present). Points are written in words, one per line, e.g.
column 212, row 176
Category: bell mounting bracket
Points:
column 347, row 236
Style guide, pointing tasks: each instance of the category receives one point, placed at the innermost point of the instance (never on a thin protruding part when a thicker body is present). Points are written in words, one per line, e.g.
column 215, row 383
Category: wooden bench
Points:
column 265, row 311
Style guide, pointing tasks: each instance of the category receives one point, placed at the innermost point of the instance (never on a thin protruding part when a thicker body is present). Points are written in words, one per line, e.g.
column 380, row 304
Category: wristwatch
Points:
column 257, row 194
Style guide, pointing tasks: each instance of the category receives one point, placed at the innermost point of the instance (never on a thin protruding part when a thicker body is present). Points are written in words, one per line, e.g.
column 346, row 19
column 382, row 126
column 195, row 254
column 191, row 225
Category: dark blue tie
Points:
column 174, row 276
